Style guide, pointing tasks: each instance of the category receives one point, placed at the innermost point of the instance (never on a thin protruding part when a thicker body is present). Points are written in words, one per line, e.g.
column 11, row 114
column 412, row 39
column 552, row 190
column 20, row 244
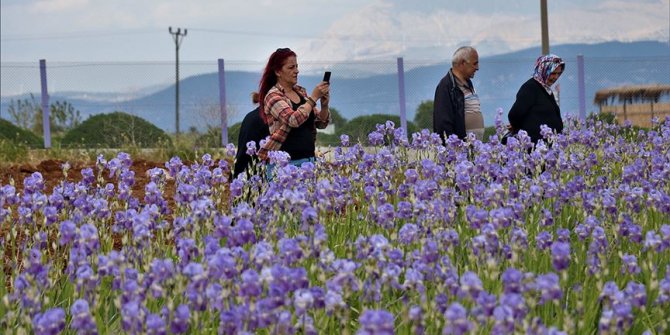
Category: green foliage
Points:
column 605, row 117
column 359, row 127
column 10, row 151
column 325, row 140
column 23, row 112
column 336, row 119
column 62, row 115
column 27, row 114
column 16, row 135
column 115, row 130
column 212, row 138
column 488, row 132
column 424, row 115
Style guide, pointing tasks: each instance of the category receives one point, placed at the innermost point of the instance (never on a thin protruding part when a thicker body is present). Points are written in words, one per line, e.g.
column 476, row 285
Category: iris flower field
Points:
column 405, row 236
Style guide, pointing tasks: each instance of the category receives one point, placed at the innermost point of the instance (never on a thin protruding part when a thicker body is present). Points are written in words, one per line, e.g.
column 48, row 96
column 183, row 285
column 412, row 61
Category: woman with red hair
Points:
column 290, row 113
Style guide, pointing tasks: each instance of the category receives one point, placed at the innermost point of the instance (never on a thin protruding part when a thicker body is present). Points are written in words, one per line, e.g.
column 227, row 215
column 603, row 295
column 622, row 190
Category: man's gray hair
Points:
column 461, row 54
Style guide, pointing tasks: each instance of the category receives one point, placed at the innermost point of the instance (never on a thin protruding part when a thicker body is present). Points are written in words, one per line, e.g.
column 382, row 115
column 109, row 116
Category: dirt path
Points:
column 52, row 172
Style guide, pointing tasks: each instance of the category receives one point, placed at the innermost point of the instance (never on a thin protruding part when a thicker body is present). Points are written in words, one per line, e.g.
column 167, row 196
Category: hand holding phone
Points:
column 326, row 76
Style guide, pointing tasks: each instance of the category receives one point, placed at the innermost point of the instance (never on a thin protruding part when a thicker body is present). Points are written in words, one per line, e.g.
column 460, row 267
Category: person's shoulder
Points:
column 531, row 84
column 274, row 94
column 446, row 81
column 274, row 90
column 252, row 115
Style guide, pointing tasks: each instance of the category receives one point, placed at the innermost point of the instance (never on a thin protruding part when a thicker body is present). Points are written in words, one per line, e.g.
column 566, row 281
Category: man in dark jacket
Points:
column 252, row 129
column 449, row 108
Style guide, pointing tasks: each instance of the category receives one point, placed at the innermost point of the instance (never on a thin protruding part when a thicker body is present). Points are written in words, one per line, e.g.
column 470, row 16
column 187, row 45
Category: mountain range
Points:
column 353, row 93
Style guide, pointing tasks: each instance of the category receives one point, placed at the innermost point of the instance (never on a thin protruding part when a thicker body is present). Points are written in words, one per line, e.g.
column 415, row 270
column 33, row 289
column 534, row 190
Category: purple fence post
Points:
column 581, row 87
column 401, row 94
column 222, row 103
column 45, row 104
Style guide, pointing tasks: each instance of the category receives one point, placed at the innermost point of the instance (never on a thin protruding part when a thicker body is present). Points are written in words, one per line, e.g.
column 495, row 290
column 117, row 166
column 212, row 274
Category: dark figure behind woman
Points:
column 252, row 129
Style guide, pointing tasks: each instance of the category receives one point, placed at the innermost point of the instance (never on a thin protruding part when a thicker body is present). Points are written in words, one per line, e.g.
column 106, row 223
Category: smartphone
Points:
column 326, row 76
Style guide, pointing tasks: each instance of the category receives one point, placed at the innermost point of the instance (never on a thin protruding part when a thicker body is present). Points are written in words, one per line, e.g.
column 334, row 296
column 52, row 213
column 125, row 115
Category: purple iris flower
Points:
column 486, row 303
column 156, row 325
column 180, row 320
column 303, row 300
column 548, row 285
column 333, row 302
column 560, row 254
column 471, row 284
column 563, row 235
column 456, row 320
column 50, row 322
column 517, row 303
column 82, row 320
column 636, row 294
column 408, row 233
column 376, row 322
column 503, row 314
column 512, row 281
column 162, row 269
column 132, row 317
column 543, row 240
column 652, row 241
column 68, row 232
column 664, row 290
column 88, row 237
column 344, row 140
column 629, row 264
column 33, row 183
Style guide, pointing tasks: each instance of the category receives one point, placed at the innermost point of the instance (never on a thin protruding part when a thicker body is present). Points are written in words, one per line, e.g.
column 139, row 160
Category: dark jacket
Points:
column 534, row 107
column 252, row 129
column 449, row 108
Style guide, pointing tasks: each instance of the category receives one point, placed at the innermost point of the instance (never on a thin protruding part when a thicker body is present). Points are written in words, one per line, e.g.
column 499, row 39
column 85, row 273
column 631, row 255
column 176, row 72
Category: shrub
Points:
column 16, row 135
column 359, row 128
column 424, row 115
column 212, row 138
column 323, row 139
column 115, row 130
column 488, row 132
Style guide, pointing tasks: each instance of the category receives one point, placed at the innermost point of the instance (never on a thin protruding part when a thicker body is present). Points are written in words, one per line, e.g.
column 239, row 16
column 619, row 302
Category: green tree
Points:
column 116, row 130
column 18, row 136
column 336, row 118
column 212, row 137
column 359, row 128
column 27, row 114
column 604, row 117
column 62, row 117
column 22, row 112
column 424, row 115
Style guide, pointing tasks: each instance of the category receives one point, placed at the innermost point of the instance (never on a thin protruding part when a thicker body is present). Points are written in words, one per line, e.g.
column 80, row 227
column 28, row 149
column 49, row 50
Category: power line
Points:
column 72, row 35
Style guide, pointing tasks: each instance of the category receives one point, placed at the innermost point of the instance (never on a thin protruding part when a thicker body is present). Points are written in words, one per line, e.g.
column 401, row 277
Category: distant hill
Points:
column 606, row 65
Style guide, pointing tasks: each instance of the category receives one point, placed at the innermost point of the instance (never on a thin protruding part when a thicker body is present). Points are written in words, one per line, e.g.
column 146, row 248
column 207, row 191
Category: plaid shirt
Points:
column 281, row 117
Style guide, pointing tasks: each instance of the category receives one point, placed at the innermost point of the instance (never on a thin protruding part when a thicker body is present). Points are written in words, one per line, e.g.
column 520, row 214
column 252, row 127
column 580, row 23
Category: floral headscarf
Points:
column 544, row 66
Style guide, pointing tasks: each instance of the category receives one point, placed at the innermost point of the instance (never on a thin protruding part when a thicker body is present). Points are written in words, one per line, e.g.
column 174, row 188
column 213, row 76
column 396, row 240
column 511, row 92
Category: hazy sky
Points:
column 137, row 30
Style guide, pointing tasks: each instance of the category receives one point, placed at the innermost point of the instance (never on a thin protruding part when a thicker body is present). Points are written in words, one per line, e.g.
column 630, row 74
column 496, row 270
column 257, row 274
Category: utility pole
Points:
column 545, row 27
column 178, row 37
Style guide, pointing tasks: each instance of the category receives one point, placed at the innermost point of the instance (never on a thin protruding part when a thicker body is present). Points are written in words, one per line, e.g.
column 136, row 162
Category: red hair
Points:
column 269, row 78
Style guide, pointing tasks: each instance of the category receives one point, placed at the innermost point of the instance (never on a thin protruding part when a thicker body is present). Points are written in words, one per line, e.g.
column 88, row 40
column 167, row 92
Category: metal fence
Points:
column 146, row 89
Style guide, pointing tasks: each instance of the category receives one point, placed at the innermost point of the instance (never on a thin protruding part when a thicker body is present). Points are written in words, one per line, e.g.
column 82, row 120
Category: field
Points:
column 404, row 237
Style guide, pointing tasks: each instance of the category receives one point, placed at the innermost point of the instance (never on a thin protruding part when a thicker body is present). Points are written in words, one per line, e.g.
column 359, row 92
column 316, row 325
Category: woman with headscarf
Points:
column 535, row 103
